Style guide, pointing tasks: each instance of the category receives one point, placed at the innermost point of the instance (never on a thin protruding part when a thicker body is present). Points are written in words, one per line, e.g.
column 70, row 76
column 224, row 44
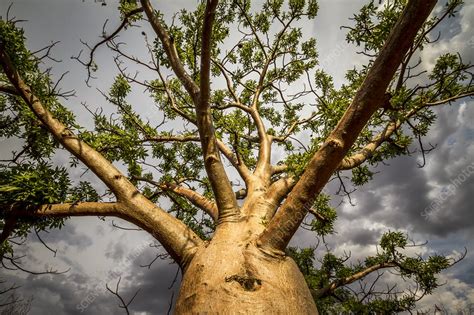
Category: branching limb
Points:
column 171, row 138
column 239, row 165
column 264, row 153
column 292, row 128
column 6, row 290
column 366, row 101
column 225, row 198
column 10, row 262
column 9, row 90
column 110, row 175
column 172, row 99
column 229, row 83
column 451, row 99
column 366, row 152
column 192, row 196
column 160, row 255
column 278, row 191
column 170, row 50
column 279, row 168
column 360, row 157
column 348, row 280
column 46, row 52
column 89, row 64
column 317, row 215
column 178, row 239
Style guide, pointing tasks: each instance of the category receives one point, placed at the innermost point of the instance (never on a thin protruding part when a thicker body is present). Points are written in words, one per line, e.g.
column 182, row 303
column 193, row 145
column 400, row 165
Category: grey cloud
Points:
column 362, row 236
column 116, row 251
column 70, row 234
column 400, row 194
column 157, row 285
column 54, row 294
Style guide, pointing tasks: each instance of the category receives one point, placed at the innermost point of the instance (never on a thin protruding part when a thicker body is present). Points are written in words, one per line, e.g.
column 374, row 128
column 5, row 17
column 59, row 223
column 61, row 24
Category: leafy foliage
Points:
column 370, row 298
column 35, row 184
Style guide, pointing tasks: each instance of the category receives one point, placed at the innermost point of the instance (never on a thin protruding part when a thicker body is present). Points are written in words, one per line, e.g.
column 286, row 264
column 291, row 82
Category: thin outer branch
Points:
column 220, row 183
column 451, row 99
column 170, row 50
column 89, row 64
column 172, row 100
column 122, row 301
column 171, row 138
column 348, row 280
column 239, row 165
column 366, row 101
column 228, row 81
column 264, row 154
column 293, row 127
column 112, row 36
column 317, row 215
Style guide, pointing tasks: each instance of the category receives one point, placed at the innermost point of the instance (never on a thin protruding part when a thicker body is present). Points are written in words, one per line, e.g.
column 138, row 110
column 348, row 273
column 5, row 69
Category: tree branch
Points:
column 239, row 165
column 327, row 290
column 195, row 198
column 278, row 191
column 122, row 304
column 264, row 153
column 9, row 90
column 229, row 84
column 177, row 238
column 451, row 99
column 292, row 128
column 110, row 175
column 170, row 50
column 366, row 101
column 366, row 152
column 192, row 196
column 106, row 39
column 171, row 138
column 63, row 210
column 279, row 168
column 225, row 198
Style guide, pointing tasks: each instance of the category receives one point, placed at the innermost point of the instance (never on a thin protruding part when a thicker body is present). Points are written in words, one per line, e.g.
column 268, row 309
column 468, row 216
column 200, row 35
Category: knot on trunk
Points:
column 246, row 282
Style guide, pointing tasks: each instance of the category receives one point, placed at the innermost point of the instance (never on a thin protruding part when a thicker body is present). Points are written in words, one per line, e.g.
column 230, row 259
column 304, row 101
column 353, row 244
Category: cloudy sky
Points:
column 399, row 197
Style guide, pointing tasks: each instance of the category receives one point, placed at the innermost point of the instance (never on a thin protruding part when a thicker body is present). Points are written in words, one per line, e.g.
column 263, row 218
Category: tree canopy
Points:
column 249, row 125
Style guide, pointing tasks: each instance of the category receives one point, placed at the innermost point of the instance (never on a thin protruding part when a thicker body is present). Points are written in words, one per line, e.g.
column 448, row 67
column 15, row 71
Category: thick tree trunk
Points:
column 232, row 276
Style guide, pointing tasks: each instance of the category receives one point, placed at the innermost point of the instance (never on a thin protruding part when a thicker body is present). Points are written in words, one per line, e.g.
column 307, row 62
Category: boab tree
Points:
column 242, row 82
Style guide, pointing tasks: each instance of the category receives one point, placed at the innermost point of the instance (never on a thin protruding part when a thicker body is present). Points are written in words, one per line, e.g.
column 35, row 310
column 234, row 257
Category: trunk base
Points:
column 232, row 277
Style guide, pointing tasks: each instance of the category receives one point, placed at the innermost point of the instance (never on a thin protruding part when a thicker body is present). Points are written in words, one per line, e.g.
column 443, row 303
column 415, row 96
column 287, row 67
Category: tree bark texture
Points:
column 231, row 275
